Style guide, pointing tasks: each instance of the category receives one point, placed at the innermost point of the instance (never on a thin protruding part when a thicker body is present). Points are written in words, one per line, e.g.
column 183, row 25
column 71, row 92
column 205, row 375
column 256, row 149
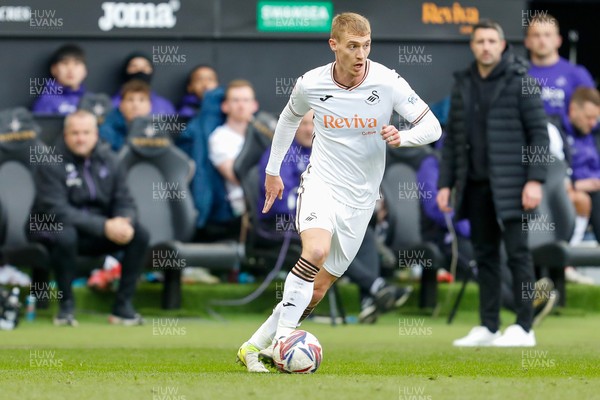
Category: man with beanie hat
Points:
column 138, row 66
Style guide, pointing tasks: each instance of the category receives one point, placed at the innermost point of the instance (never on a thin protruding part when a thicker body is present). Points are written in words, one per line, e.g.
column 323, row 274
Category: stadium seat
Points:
column 549, row 236
column 158, row 176
column 98, row 104
column 404, row 216
column 16, row 173
column 51, row 127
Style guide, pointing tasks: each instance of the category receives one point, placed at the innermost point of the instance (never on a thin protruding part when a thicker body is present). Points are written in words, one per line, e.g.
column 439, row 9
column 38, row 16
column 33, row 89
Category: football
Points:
column 298, row 353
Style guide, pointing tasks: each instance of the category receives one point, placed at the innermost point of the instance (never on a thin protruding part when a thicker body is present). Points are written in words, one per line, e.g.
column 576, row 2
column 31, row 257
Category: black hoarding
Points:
column 439, row 20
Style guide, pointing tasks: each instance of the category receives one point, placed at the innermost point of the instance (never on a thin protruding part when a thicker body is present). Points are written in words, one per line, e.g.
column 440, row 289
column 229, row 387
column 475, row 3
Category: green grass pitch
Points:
column 401, row 357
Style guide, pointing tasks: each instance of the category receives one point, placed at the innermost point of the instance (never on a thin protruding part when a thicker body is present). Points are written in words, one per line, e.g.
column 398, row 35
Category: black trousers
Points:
column 465, row 258
column 66, row 245
column 487, row 236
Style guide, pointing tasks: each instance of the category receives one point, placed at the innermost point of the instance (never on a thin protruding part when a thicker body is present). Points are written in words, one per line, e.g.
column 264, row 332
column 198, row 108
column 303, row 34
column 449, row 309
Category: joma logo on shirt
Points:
column 329, row 121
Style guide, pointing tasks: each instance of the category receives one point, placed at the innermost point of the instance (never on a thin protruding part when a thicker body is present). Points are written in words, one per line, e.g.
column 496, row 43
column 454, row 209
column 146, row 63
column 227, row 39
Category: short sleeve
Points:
column 406, row 102
column 584, row 78
column 219, row 148
column 298, row 102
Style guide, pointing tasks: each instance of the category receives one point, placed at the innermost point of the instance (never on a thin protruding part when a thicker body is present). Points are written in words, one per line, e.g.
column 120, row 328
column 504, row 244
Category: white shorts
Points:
column 316, row 208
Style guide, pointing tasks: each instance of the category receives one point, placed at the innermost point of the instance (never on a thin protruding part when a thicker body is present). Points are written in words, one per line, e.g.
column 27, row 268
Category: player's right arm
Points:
column 288, row 123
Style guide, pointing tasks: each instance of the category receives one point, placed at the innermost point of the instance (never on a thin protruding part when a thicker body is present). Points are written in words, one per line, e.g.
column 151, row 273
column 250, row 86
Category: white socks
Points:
column 286, row 316
column 263, row 337
column 297, row 294
column 581, row 224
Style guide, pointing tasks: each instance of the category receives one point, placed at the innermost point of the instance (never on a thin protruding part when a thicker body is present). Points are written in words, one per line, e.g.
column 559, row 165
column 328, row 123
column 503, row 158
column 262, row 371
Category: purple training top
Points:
column 160, row 105
column 558, row 83
column 585, row 157
column 56, row 99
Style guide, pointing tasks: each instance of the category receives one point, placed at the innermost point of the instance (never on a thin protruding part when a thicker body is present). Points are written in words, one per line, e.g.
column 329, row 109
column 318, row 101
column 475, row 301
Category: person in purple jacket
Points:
column 557, row 77
column 61, row 94
column 581, row 126
column 138, row 66
column 202, row 79
column 377, row 296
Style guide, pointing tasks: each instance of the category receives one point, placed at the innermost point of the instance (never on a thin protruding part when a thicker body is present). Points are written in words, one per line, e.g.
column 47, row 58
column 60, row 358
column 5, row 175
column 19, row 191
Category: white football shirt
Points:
column 348, row 151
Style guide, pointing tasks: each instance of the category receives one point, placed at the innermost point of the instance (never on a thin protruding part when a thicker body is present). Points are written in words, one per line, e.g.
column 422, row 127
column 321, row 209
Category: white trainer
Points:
column 515, row 336
column 478, row 336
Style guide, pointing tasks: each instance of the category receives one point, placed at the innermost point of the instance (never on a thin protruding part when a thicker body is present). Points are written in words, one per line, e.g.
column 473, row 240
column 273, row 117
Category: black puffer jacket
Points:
column 516, row 126
column 84, row 194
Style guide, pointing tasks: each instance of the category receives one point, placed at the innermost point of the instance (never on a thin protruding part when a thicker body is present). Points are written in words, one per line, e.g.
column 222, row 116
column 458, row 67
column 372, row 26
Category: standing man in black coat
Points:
column 496, row 123
column 86, row 197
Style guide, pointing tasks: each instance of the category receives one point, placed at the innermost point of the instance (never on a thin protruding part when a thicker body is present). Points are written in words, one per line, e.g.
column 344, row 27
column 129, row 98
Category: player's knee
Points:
column 584, row 203
column 316, row 254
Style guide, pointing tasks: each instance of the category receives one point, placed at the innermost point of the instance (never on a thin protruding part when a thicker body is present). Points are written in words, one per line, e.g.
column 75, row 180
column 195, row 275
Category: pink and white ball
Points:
column 298, row 353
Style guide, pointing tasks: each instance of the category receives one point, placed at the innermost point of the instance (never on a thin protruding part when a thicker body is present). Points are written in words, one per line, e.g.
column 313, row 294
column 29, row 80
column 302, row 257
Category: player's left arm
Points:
column 426, row 131
column 409, row 105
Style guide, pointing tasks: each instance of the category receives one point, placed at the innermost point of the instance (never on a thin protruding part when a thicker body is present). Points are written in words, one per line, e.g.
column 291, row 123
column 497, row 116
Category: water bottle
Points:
column 30, row 307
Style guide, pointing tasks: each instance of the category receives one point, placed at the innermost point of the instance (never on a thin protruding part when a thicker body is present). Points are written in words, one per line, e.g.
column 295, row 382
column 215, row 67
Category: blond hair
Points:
column 352, row 23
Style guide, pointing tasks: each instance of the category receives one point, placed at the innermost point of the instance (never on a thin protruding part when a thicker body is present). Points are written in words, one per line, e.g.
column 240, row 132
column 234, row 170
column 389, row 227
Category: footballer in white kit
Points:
column 353, row 100
column 341, row 184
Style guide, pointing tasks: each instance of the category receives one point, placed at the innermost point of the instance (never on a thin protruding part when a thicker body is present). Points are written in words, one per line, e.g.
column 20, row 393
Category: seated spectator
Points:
column 202, row 79
column 560, row 148
column 62, row 93
column 88, row 195
column 377, row 296
column 226, row 142
column 138, row 66
column 135, row 103
column 208, row 186
column 581, row 126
